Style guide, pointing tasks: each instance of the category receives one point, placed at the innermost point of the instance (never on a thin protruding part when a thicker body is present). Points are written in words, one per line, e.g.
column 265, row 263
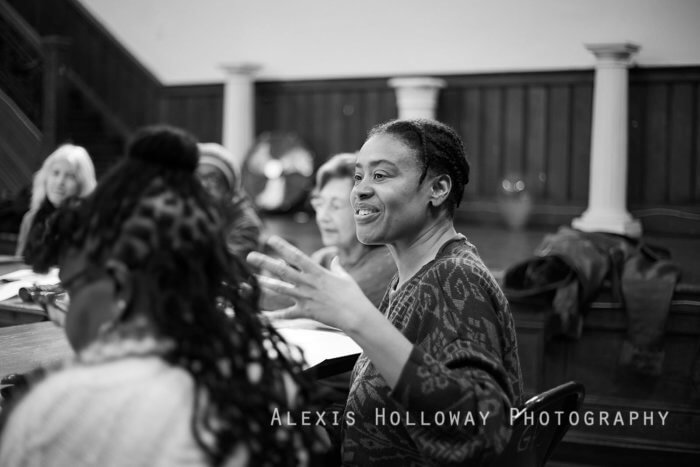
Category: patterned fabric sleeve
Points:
column 455, row 370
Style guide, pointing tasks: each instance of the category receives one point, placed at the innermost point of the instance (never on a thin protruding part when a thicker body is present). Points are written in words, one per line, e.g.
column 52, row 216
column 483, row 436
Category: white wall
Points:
column 185, row 41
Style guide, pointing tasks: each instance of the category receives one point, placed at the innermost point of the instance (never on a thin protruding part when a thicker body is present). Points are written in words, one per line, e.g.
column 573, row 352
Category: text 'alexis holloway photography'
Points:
column 385, row 417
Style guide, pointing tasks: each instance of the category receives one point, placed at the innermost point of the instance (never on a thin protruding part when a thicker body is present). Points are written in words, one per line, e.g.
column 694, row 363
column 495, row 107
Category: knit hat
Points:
column 216, row 155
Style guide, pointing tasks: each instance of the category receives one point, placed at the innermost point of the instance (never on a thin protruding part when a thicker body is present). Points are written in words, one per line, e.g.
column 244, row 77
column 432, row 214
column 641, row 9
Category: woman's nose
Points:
column 361, row 190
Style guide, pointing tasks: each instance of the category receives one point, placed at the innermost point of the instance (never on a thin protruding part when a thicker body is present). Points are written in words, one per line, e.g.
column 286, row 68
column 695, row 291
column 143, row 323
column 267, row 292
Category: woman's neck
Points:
column 350, row 254
column 412, row 255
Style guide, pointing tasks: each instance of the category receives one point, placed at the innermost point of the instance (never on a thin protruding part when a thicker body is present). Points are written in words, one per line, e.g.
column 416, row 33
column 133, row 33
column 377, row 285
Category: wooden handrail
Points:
column 97, row 103
column 114, row 42
column 20, row 25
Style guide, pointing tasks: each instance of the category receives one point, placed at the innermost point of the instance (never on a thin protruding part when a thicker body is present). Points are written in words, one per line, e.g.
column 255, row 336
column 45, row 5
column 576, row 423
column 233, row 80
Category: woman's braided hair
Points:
column 439, row 149
column 151, row 213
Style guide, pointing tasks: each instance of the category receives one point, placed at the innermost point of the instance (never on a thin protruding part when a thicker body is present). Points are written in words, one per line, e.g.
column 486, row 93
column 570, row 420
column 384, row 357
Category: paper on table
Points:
column 320, row 345
column 25, row 278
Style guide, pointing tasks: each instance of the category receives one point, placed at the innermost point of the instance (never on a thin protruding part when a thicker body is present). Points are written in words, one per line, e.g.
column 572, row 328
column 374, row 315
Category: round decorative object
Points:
column 278, row 172
column 514, row 201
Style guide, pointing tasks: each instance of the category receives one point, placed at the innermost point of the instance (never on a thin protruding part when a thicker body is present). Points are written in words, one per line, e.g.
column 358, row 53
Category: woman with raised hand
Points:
column 441, row 347
column 173, row 364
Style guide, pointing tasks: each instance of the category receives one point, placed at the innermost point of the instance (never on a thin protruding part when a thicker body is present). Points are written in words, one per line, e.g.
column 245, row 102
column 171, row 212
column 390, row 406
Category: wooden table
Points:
column 29, row 346
column 14, row 311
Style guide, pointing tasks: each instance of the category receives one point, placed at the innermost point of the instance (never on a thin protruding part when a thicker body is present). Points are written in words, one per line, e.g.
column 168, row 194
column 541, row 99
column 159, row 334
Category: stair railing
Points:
column 49, row 59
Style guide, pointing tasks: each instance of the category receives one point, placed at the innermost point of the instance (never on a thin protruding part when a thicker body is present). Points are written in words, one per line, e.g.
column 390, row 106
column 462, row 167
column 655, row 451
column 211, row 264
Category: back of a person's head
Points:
column 153, row 187
column 439, row 149
column 80, row 163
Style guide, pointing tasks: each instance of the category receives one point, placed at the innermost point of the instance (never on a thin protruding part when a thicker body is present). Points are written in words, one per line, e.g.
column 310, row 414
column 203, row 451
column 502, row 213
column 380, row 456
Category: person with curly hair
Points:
column 66, row 172
column 440, row 368
column 173, row 364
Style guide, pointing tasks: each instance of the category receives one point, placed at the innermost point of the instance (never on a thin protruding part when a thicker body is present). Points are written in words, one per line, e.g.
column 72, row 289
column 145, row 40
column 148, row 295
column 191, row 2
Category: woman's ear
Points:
column 123, row 284
column 440, row 189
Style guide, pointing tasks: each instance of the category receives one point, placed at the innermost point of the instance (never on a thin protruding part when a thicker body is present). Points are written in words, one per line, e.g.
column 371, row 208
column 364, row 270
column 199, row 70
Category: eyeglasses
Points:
column 332, row 204
column 52, row 299
column 81, row 278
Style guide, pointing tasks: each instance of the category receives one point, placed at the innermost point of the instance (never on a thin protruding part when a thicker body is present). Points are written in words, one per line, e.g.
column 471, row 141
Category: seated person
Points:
column 371, row 266
column 173, row 364
column 219, row 175
column 66, row 172
column 442, row 343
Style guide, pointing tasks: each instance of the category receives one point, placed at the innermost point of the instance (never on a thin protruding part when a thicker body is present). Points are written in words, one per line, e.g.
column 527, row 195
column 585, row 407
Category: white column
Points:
column 607, row 196
column 417, row 97
column 239, row 109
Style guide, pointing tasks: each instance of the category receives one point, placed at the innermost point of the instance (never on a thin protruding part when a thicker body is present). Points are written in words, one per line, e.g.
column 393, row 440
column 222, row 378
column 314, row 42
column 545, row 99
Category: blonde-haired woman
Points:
column 66, row 172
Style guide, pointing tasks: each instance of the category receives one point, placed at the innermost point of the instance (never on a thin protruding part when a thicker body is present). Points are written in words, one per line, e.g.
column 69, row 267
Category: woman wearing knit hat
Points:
column 173, row 365
column 220, row 177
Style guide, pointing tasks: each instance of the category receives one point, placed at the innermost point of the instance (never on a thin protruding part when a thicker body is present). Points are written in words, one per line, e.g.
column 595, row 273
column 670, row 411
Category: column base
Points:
column 622, row 224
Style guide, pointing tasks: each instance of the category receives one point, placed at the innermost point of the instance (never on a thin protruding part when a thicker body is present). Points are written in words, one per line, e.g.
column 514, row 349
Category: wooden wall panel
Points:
column 558, row 144
column 331, row 116
column 696, row 140
column 536, row 137
column 197, row 109
column 680, row 144
column 636, row 162
column 469, row 129
column 490, row 157
column 581, row 121
column 514, row 137
column 535, row 124
column 655, row 147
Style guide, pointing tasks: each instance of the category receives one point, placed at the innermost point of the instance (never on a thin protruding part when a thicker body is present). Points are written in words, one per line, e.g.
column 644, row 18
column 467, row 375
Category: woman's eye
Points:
column 379, row 176
column 357, row 178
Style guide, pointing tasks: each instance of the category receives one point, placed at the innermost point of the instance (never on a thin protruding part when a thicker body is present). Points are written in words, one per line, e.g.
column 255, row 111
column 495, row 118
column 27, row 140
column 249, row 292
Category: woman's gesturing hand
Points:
column 329, row 296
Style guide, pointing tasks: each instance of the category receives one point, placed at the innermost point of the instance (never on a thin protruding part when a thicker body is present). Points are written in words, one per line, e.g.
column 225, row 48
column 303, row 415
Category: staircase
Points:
column 87, row 128
column 85, row 88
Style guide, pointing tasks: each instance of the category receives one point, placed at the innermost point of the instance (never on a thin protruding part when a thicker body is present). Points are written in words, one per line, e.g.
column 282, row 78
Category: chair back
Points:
column 537, row 428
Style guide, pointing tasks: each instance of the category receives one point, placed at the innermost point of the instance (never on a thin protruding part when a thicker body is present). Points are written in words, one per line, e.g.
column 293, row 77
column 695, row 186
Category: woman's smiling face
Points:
column 389, row 203
column 61, row 182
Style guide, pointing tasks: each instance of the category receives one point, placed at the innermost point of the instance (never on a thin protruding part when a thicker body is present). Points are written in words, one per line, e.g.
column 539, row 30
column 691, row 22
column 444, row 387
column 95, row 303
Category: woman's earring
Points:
column 121, row 305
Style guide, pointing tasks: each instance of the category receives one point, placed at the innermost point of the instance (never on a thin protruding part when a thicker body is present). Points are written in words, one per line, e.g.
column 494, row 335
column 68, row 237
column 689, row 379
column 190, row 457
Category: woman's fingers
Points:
column 293, row 255
column 287, row 313
column 280, row 287
column 277, row 268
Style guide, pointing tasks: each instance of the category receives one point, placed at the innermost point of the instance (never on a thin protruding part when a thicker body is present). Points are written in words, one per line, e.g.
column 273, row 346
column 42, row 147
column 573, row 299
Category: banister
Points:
column 97, row 103
column 16, row 21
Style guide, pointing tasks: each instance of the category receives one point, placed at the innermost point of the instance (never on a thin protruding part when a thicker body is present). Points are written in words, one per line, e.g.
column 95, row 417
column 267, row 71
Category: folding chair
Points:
column 534, row 437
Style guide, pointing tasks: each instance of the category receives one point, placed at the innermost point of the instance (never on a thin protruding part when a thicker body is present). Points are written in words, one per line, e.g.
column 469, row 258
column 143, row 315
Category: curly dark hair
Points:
column 439, row 149
column 151, row 213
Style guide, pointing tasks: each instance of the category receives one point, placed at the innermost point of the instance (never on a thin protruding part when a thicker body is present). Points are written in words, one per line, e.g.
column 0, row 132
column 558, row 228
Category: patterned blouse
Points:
column 452, row 401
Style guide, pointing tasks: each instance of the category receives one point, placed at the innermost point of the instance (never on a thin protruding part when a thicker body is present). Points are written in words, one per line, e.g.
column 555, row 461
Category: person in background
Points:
column 173, row 364
column 371, row 266
column 66, row 172
column 443, row 339
column 220, row 177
